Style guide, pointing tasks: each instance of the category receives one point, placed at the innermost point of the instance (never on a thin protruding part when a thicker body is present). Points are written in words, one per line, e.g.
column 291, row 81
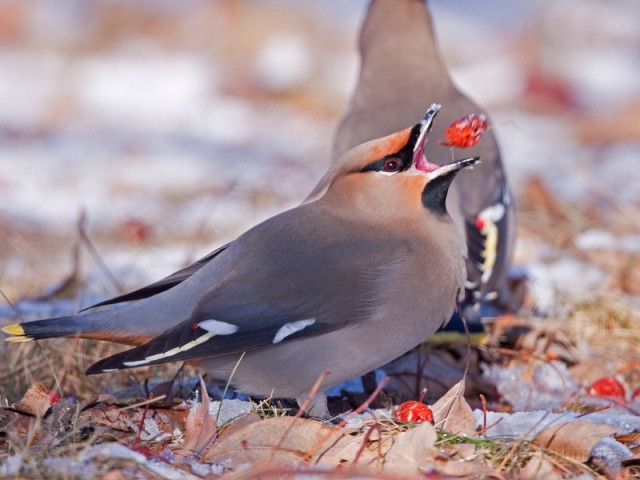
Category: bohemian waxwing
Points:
column 343, row 283
column 400, row 68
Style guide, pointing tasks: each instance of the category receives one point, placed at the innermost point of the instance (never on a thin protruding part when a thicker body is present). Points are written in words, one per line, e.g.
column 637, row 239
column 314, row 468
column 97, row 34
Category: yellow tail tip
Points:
column 18, row 339
column 14, row 329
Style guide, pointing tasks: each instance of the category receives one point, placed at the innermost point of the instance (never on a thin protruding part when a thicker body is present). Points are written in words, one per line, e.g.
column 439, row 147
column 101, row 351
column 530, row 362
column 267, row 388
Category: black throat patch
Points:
column 434, row 195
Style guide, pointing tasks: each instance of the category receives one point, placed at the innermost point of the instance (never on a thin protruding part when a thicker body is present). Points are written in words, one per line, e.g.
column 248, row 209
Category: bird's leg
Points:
column 369, row 382
column 316, row 406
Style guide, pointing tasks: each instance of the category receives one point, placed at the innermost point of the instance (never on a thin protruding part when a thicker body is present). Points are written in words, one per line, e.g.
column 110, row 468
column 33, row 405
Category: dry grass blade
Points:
column 143, row 403
column 86, row 241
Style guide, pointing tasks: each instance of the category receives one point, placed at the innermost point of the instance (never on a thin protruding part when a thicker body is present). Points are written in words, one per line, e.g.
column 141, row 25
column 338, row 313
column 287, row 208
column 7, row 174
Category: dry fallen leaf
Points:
column 200, row 428
column 238, row 424
column 411, row 450
column 291, row 441
column 16, row 426
column 452, row 412
column 36, row 401
column 539, row 467
column 573, row 439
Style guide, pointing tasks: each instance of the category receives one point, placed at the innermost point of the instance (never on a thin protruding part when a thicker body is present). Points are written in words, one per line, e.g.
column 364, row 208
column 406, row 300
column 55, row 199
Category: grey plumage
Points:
column 401, row 71
column 358, row 275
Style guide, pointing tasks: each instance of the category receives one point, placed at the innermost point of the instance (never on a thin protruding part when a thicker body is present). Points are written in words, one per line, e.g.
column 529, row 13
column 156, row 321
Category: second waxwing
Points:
column 400, row 67
column 341, row 284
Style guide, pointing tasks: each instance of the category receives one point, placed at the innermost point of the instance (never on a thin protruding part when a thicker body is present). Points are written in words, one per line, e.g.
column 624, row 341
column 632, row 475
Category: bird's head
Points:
column 391, row 175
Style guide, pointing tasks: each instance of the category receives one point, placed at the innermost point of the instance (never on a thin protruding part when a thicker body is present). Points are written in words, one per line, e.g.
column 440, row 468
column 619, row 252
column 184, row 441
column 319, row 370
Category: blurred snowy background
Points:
column 174, row 126
column 167, row 128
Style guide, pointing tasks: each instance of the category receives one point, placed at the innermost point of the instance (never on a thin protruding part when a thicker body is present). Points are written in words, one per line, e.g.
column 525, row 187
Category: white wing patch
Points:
column 292, row 327
column 493, row 213
column 212, row 327
column 173, row 351
column 217, row 327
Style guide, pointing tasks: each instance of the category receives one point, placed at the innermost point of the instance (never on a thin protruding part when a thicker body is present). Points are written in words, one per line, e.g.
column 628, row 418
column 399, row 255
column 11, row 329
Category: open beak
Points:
column 420, row 162
column 453, row 167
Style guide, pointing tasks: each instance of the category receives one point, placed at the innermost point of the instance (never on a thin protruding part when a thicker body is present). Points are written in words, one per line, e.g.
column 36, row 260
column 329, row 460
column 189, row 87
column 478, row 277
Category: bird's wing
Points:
column 192, row 339
column 271, row 294
column 163, row 284
column 489, row 240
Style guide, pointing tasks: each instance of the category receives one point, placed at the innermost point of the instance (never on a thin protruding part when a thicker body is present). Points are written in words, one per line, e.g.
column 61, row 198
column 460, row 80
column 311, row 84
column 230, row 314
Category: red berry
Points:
column 136, row 230
column 413, row 411
column 607, row 387
column 53, row 397
column 466, row 131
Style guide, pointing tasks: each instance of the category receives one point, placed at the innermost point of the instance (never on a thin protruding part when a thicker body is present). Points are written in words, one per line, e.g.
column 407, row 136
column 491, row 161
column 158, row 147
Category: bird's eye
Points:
column 391, row 165
column 387, row 166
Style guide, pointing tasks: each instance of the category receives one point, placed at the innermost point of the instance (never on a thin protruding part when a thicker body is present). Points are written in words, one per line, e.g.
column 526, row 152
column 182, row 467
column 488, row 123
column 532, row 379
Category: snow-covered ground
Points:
column 175, row 128
column 201, row 120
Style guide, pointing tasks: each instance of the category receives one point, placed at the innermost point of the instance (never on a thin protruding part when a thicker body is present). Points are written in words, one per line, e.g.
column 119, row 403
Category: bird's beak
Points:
column 420, row 162
column 434, row 195
column 453, row 167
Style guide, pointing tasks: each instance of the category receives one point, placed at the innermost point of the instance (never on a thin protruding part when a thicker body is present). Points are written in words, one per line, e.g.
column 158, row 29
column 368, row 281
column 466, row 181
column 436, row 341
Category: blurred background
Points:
column 149, row 133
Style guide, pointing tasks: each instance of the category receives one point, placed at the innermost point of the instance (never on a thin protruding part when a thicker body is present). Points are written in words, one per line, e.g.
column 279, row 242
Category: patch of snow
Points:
column 205, row 469
column 565, row 276
column 595, row 239
column 151, row 431
column 356, row 421
column 11, row 466
column 619, row 183
column 529, row 424
column 552, row 385
column 164, row 471
column 607, row 455
column 110, row 450
column 534, row 145
column 519, row 424
column 231, row 410
column 478, row 80
column 583, row 476
column 284, row 61
column 146, row 90
column 29, row 85
column 227, row 120
column 66, row 467
column 618, row 418
column 603, row 77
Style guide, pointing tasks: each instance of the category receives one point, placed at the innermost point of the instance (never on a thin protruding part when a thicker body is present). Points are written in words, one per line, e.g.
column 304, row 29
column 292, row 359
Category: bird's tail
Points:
column 92, row 326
